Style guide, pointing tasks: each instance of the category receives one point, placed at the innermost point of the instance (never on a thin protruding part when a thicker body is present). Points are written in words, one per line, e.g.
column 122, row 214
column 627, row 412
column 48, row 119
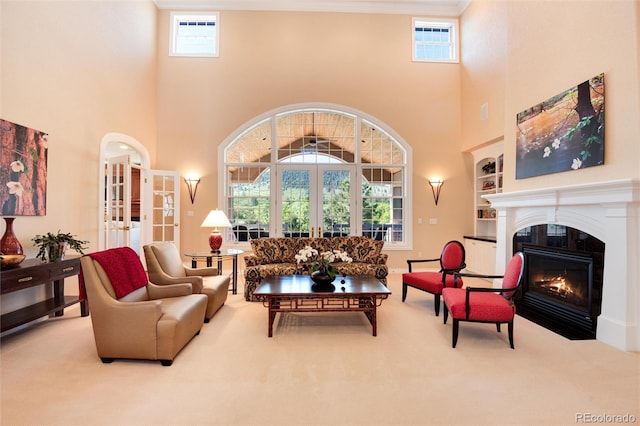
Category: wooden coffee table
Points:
column 292, row 293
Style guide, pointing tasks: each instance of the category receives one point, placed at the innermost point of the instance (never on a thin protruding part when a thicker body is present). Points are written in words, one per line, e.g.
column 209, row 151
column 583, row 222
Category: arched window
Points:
column 308, row 171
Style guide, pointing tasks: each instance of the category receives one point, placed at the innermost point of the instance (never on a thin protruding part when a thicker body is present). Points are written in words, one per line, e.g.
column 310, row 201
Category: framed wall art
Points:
column 563, row 133
column 23, row 170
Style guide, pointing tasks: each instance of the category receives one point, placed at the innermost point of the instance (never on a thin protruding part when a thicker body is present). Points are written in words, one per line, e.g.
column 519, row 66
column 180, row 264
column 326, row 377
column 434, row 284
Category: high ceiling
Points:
column 448, row 8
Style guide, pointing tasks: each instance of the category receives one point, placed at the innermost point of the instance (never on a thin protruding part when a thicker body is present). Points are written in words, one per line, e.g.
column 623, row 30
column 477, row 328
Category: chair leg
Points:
column 404, row 291
column 498, row 327
column 455, row 332
column 436, row 303
column 445, row 313
column 510, row 328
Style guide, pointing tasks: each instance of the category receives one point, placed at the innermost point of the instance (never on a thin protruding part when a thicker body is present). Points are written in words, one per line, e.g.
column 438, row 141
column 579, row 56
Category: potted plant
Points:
column 52, row 246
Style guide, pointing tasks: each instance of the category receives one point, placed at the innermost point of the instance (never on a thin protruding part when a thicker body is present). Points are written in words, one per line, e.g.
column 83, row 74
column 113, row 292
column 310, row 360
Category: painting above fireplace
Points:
column 562, row 133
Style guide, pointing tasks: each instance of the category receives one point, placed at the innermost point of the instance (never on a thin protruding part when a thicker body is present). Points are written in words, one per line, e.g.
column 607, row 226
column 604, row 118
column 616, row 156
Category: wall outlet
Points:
column 419, row 254
column 433, row 221
column 419, row 221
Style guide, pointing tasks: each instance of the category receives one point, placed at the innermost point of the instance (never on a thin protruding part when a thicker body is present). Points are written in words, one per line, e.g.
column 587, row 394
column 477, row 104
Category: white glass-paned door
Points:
column 117, row 206
column 316, row 200
column 162, row 218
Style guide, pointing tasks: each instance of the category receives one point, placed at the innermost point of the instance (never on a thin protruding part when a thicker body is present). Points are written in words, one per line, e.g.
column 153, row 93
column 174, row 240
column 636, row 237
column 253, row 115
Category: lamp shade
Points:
column 215, row 219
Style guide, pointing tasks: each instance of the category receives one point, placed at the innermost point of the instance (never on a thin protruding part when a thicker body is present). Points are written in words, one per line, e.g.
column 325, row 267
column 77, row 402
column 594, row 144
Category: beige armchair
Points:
column 164, row 266
column 149, row 322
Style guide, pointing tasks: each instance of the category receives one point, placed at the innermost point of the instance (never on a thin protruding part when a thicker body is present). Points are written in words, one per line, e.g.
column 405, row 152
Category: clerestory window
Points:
column 435, row 40
column 194, row 34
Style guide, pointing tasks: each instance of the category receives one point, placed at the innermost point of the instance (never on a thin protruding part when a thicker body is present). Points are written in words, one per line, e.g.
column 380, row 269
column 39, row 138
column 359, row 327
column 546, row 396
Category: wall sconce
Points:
column 192, row 184
column 436, row 186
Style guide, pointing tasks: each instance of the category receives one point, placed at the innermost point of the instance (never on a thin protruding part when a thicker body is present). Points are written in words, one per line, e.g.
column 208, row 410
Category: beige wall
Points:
column 76, row 70
column 549, row 47
column 269, row 60
column 79, row 70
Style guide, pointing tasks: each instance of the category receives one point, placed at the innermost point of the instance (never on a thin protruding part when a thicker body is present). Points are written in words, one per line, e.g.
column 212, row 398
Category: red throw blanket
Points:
column 124, row 269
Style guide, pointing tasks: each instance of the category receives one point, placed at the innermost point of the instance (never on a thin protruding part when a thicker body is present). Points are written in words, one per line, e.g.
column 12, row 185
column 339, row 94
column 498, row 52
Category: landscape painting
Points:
column 23, row 170
column 563, row 133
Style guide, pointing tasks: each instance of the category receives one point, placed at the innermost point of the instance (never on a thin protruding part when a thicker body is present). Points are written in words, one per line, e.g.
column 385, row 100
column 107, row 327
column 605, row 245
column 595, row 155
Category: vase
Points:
column 55, row 252
column 9, row 243
column 322, row 282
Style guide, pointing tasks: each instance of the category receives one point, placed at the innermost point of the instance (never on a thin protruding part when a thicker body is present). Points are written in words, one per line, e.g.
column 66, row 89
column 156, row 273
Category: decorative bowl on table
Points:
column 9, row 260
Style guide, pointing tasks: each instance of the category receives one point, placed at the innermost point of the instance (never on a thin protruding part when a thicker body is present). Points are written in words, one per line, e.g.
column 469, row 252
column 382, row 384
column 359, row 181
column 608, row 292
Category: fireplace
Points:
column 562, row 281
column 610, row 212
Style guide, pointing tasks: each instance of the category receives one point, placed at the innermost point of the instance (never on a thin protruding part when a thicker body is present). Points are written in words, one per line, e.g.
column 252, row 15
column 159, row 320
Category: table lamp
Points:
column 215, row 219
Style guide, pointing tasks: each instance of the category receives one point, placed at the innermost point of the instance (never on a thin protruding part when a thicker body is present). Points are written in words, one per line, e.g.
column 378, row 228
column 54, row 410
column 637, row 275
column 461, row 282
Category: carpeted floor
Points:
column 320, row 369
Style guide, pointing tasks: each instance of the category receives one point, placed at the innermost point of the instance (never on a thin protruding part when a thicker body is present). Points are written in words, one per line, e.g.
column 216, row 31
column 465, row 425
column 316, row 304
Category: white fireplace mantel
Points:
column 610, row 211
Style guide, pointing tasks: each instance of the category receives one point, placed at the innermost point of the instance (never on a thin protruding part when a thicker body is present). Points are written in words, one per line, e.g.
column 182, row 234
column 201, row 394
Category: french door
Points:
column 117, row 202
column 140, row 206
column 316, row 200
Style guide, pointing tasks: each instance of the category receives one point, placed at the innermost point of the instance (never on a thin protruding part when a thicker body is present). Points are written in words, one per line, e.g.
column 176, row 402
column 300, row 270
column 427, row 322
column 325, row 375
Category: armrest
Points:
column 251, row 260
column 121, row 315
column 468, row 274
column 164, row 279
column 382, row 259
column 410, row 262
column 171, row 290
column 202, row 272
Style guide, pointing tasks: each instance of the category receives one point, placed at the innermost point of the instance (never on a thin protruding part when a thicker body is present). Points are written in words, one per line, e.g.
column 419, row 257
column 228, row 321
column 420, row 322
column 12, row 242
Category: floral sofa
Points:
column 276, row 256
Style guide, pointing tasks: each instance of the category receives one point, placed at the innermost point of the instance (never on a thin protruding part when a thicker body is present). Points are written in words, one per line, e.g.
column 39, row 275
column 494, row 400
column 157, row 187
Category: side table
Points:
column 33, row 272
column 219, row 256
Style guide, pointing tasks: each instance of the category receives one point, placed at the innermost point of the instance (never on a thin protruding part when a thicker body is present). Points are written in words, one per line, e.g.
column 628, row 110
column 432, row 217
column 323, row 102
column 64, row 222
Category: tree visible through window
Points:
column 336, row 173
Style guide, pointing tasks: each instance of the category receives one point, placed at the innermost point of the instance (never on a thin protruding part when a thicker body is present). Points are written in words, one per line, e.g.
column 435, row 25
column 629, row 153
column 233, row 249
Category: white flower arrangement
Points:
column 323, row 261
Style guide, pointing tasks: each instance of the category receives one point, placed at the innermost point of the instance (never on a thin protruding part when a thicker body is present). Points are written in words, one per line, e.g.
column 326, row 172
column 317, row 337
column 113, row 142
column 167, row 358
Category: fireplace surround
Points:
column 607, row 210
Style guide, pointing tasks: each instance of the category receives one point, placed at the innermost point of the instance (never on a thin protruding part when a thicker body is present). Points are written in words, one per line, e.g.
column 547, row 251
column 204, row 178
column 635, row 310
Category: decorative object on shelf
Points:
column 488, row 184
column 23, row 187
column 489, row 168
column 10, row 247
column 562, row 133
column 216, row 219
column 192, row 185
column 323, row 270
column 436, row 186
column 52, row 247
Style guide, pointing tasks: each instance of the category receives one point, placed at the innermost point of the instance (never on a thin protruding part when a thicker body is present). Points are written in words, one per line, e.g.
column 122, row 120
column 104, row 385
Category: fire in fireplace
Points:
column 562, row 282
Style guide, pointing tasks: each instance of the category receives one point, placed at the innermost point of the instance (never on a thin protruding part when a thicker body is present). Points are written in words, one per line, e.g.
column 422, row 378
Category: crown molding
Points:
column 446, row 8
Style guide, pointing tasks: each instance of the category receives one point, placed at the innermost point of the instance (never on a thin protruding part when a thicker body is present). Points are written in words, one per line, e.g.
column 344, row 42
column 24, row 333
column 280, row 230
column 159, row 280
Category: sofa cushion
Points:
column 360, row 249
column 275, row 250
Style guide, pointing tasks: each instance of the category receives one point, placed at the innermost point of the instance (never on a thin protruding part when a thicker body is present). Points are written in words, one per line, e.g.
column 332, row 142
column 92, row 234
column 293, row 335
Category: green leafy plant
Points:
column 49, row 245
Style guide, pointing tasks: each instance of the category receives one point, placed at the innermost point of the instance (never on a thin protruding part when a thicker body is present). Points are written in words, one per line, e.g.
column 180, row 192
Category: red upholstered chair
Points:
column 451, row 261
column 480, row 304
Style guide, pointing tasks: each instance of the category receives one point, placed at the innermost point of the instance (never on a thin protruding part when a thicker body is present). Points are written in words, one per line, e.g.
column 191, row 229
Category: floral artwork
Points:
column 23, row 170
column 563, row 133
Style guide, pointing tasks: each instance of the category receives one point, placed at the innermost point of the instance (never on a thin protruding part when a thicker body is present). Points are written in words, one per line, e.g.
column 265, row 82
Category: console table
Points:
column 31, row 273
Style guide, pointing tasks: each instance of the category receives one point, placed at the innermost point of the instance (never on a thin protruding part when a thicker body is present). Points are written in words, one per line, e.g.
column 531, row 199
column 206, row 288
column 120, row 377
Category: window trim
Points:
column 452, row 24
column 176, row 17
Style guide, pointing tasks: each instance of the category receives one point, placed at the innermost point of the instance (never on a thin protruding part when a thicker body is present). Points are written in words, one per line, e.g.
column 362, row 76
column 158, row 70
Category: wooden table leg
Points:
column 272, row 316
